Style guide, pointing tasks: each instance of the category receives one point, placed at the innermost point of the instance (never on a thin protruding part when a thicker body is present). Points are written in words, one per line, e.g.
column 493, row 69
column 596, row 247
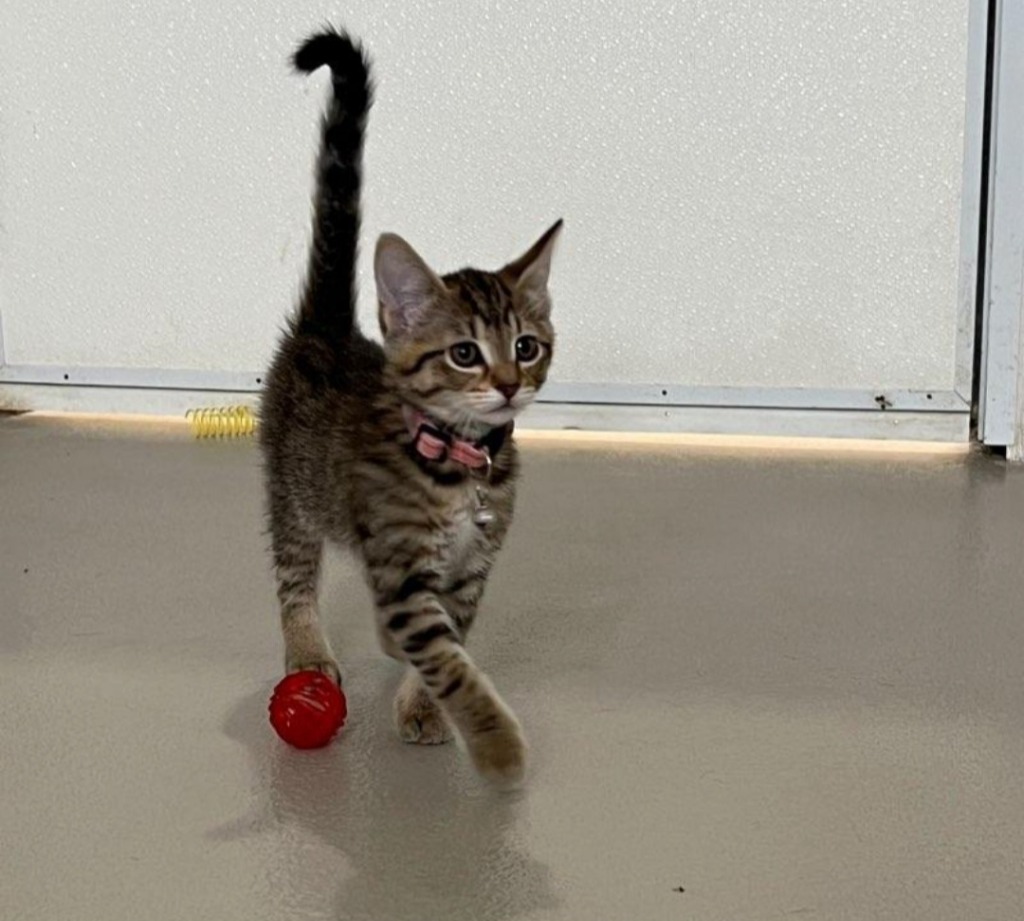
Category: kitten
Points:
column 402, row 452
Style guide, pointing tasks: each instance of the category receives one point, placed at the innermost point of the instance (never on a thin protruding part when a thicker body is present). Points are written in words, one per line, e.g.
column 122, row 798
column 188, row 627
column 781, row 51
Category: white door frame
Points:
column 1001, row 365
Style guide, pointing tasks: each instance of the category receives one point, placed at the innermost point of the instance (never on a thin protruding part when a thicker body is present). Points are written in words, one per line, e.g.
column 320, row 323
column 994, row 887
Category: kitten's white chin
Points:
column 498, row 417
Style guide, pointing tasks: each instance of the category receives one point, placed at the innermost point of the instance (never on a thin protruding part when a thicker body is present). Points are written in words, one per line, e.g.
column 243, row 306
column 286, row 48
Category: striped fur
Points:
column 329, row 296
column 339, row 460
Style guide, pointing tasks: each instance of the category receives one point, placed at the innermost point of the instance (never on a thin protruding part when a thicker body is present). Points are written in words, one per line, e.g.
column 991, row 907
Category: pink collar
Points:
column 436, row 444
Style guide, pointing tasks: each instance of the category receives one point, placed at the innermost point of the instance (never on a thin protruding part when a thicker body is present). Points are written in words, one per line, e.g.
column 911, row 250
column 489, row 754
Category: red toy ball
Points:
column 307, row 709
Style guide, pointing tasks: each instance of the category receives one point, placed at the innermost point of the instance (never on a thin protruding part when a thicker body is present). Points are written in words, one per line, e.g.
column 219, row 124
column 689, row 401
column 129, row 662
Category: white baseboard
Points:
column 943, row 423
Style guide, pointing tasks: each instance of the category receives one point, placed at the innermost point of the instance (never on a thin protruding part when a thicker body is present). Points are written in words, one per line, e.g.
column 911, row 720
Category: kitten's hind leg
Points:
column 297, row 566
column 417, row 717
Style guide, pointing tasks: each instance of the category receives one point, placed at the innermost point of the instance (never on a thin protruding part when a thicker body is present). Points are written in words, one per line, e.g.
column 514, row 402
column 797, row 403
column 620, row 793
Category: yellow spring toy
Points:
column 222, row 422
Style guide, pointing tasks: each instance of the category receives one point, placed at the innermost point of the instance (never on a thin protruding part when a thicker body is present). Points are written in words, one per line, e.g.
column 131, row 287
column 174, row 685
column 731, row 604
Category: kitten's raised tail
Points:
column 329, row 298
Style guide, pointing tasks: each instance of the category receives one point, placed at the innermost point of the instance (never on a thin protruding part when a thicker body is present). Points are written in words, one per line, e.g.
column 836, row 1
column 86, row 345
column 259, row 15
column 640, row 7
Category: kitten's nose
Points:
column 507, row 390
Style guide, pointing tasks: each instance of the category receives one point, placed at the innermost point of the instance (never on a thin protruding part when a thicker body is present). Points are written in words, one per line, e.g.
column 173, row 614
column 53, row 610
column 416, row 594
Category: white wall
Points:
column 757, row 192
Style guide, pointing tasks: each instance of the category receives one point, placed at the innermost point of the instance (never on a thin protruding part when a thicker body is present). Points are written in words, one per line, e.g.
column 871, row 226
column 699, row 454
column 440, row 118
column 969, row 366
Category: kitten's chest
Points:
column 463, row 536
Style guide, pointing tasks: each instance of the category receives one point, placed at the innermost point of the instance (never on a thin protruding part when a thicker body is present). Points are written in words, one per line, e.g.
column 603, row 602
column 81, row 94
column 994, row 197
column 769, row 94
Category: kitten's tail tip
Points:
column 336, row 49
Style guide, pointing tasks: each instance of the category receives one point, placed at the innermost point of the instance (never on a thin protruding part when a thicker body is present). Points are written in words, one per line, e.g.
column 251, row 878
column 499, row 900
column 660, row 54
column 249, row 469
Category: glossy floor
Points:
column 756, row 686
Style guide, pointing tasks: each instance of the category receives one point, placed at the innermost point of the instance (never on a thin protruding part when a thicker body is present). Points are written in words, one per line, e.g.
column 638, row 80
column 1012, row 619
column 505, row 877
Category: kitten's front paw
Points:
column 327, row 666
column 418, row 719
column 499, row 754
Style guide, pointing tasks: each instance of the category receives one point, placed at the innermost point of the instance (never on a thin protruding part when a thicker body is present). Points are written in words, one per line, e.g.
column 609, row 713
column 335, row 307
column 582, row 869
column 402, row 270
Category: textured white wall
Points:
column 757, row 192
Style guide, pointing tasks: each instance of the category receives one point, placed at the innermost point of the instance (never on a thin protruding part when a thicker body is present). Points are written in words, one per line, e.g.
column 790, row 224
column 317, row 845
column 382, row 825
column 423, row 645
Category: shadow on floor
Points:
column 416, row 836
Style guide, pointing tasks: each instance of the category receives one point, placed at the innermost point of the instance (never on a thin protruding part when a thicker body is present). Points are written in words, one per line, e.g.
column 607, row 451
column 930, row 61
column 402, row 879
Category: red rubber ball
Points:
column 307, row 709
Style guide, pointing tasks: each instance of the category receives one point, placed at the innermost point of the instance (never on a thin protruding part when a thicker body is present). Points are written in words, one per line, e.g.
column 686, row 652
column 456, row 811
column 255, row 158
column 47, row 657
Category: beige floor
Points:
column 789, row 686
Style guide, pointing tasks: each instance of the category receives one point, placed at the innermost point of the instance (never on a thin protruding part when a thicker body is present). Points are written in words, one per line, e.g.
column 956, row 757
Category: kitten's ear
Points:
column 406, row 287
column 529, row 273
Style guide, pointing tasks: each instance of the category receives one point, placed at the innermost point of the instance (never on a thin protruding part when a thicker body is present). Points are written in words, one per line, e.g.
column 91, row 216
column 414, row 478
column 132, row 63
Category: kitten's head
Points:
column 472, row 348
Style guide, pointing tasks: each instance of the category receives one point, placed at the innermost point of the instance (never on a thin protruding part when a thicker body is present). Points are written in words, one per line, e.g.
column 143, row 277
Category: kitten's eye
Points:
column 527, row 348
column 465, row 354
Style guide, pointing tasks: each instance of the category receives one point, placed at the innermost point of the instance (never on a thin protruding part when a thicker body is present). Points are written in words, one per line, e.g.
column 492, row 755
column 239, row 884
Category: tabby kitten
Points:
column 402, row 452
